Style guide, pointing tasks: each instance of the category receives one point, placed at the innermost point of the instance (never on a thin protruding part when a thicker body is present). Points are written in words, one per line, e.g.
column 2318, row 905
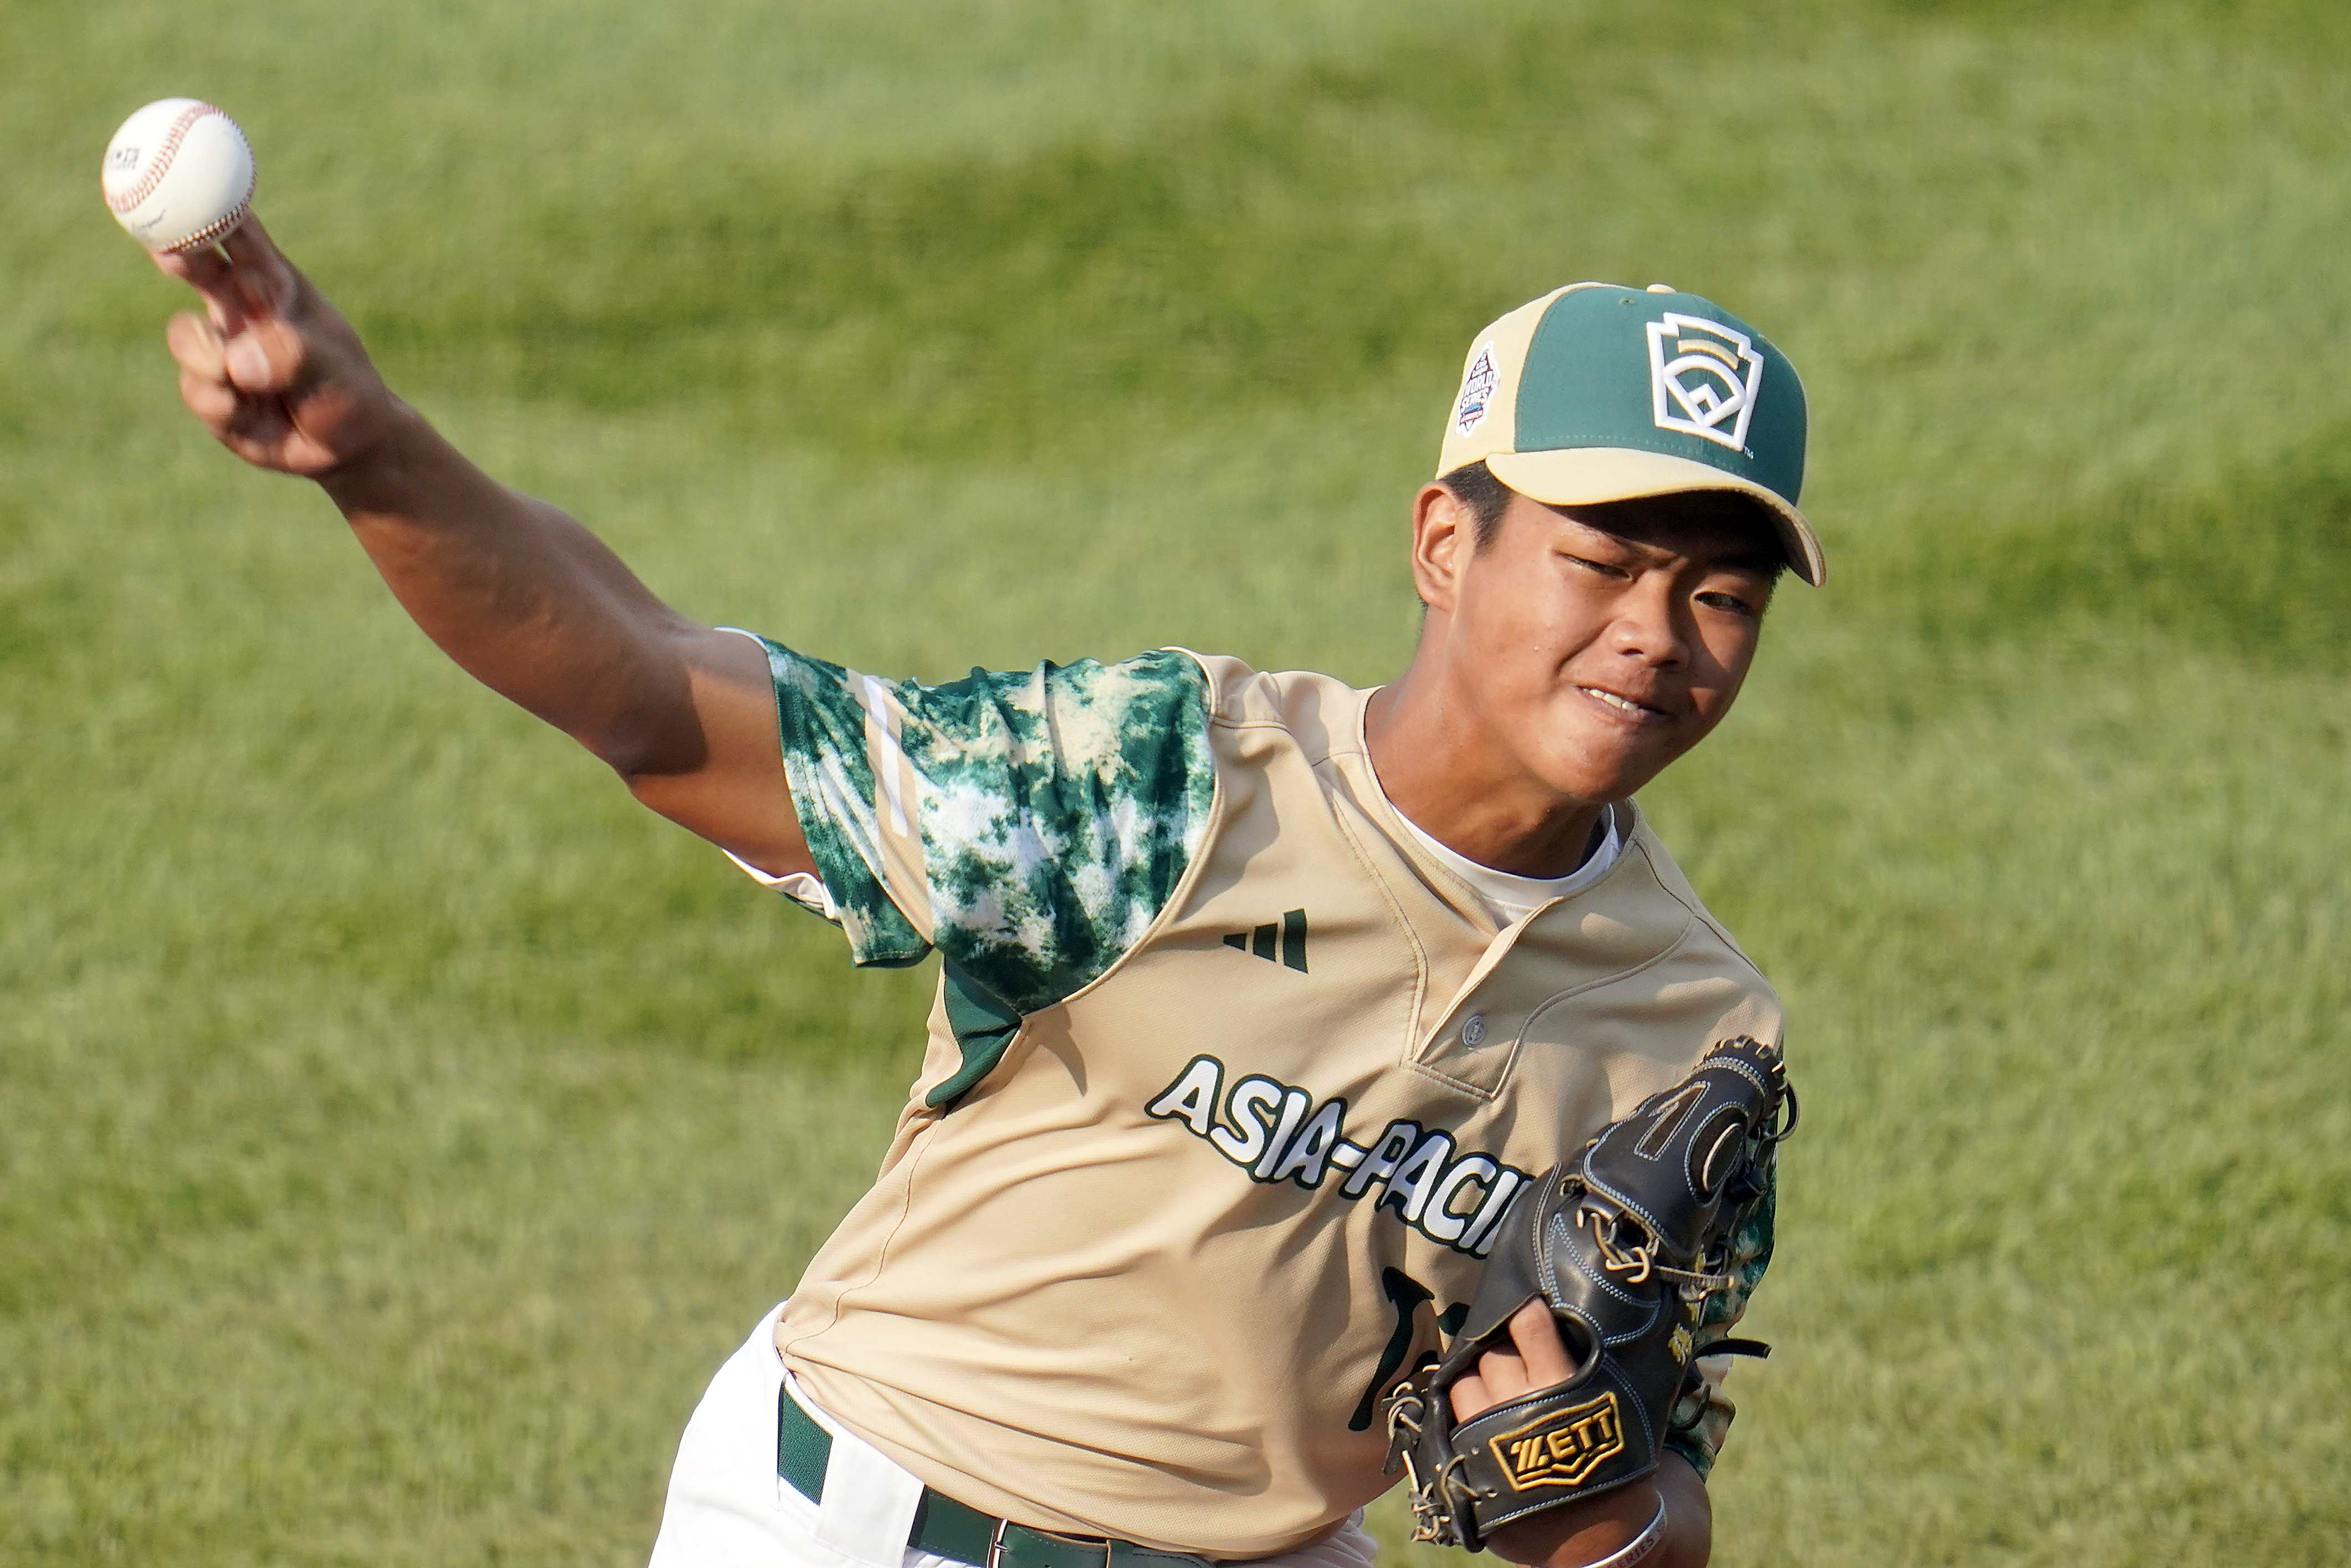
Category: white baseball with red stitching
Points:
column 178, row 175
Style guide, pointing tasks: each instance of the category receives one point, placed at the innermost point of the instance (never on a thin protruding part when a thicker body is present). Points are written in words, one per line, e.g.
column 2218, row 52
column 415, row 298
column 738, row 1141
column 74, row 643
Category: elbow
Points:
column 649, row 755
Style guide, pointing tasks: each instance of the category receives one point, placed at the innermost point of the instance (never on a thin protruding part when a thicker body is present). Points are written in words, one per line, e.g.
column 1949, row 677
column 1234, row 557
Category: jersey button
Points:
column 1473, row 1030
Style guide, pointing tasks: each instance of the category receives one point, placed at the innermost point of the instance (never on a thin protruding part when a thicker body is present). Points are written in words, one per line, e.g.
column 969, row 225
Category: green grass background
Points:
column 396, row 1127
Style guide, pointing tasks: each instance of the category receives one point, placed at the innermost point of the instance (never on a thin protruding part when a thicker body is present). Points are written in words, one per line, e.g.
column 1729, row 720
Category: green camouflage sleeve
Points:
column 1029, row 825
column 1703, row 1418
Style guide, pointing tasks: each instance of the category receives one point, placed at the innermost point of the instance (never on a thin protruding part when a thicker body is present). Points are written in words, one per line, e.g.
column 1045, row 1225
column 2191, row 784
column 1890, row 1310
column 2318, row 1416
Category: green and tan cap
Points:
column 1598, row 393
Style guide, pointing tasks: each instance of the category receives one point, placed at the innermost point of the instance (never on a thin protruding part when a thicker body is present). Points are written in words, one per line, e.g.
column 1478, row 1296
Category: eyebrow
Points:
column 1759, row 561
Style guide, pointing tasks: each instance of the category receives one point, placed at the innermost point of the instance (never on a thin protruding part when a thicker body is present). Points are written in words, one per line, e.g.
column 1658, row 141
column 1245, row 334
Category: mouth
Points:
column 1624, row 706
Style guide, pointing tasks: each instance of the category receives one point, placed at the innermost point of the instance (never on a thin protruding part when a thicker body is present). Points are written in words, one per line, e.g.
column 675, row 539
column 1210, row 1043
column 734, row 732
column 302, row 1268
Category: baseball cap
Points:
column 1600, row 393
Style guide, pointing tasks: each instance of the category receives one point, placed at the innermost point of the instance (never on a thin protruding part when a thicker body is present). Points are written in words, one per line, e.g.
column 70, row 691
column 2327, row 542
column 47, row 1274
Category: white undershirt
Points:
column 1512, row 898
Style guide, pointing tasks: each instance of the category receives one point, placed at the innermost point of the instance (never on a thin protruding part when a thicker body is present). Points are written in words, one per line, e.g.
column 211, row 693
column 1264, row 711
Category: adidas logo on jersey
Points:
column 1284, row 944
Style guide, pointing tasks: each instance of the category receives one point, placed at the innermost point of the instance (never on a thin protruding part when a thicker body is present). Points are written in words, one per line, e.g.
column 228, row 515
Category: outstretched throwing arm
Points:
column 526, row 601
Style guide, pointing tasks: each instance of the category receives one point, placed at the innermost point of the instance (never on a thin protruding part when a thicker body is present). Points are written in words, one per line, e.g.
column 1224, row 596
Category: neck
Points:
column 1460, row 785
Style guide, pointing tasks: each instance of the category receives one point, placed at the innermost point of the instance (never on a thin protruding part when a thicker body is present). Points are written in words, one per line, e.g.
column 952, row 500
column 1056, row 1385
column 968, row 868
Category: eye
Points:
column 1729, row 603
column 1602, row 566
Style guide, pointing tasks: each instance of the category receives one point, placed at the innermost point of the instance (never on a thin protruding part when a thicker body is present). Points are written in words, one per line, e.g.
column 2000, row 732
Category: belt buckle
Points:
column 996, row 1543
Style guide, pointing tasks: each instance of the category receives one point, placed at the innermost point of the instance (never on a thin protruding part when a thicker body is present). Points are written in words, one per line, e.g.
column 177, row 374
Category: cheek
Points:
column 1728, row 651
column 1526, row 626
column 1504, row 633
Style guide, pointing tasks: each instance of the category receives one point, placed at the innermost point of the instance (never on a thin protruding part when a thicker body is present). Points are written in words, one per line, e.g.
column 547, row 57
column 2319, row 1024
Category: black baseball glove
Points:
column 1625, row 1241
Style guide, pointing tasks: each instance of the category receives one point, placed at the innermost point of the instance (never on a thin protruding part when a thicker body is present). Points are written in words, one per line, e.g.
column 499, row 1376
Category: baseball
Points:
column 178, row 175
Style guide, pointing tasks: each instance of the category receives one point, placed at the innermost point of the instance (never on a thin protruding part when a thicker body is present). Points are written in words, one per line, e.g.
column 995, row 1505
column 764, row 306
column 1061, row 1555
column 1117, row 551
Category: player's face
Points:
column 1596, row 657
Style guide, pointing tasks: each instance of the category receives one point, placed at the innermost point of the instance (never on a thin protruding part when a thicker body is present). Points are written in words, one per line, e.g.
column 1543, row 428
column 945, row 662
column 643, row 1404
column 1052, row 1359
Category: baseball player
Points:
column 1263, row 999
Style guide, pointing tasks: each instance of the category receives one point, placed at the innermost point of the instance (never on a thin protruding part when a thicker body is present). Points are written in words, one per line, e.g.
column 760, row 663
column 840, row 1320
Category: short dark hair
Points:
column 1475, row 486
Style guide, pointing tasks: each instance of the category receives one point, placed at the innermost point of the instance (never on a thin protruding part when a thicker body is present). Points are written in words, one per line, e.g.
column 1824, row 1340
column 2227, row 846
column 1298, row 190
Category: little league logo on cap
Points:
column 1712, row 378
column 1596, row 392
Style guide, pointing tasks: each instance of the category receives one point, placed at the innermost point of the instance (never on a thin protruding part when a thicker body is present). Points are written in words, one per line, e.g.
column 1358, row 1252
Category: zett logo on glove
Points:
column 1561, row 1447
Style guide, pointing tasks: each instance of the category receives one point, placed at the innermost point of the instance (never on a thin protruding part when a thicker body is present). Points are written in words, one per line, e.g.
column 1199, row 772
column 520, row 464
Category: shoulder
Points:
column 1061, row 807
column 1321, row 714
column 1645, row 846
column 1050, row 750
column 1083, row 709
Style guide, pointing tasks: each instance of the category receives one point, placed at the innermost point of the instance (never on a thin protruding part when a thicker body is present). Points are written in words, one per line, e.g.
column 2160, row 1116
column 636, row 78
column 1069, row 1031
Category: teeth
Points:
column 1613, row 700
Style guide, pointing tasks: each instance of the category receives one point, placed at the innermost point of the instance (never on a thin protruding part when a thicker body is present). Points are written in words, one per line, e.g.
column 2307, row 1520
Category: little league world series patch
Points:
column 1476, row 391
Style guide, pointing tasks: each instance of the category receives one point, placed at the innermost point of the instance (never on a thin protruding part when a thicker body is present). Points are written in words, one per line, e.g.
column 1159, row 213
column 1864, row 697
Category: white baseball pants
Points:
column 728, row 1508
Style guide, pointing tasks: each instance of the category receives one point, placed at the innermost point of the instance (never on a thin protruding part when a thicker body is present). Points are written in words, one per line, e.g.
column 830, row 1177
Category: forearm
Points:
column 524, row 599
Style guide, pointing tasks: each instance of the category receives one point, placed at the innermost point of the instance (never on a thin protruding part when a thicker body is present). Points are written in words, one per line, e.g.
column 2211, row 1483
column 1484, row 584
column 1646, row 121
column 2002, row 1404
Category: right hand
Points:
column 272, row 369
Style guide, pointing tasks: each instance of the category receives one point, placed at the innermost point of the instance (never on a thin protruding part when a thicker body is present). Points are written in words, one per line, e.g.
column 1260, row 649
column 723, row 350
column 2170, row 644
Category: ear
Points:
column 1444, row 536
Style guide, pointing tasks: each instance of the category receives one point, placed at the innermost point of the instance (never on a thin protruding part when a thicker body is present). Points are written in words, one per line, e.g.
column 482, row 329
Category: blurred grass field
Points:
column 396, row 1127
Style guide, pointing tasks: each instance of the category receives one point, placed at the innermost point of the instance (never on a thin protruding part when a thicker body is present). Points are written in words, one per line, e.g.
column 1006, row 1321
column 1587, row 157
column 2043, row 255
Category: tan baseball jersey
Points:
column 1228, row 1082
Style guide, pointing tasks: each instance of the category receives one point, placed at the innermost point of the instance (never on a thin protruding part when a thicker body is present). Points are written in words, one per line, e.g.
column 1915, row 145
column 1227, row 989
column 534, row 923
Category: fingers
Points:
column 243, row 279
column 268, row 356
column 274, row 372
column 208, row 272
column 1536, row 1333
column 236, row 386
column 266, row 359
column 1536, row 1357
column 1501, row 1374
column 265, row 281
column 195, row 343
column 210, row 400
column 1469, row 1395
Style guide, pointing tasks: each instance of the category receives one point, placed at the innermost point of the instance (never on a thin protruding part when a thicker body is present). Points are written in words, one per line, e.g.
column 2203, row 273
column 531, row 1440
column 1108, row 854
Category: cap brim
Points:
column 1588, row 475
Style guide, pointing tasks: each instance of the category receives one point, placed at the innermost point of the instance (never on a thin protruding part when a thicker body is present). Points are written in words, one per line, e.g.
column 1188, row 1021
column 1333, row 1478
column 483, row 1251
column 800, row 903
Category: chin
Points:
column 1595, row 773
column 1594, row 787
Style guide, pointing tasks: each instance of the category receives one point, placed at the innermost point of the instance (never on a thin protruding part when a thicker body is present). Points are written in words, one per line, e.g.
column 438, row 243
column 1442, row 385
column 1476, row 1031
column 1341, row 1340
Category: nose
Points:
column 1648, row 624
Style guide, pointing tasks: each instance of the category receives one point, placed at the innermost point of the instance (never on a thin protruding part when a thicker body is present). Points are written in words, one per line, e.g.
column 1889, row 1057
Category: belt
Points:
column 947, row 1528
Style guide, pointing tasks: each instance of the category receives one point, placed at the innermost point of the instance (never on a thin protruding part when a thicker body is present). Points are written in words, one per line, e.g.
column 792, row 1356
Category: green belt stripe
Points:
column 950, row 1529
column 942, row 1525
